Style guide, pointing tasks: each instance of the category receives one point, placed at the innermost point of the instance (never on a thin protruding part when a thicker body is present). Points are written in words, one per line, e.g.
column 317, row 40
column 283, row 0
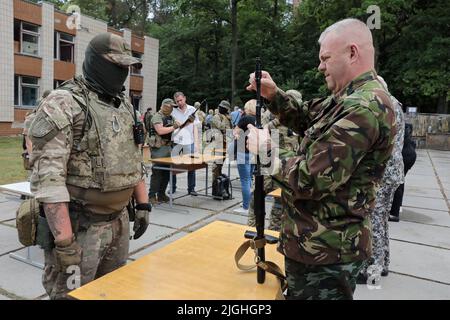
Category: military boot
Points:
column 152, row 199
column 163, row 198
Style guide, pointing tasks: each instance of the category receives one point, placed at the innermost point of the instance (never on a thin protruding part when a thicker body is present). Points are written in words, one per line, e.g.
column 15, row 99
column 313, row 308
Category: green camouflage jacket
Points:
column 330, row 186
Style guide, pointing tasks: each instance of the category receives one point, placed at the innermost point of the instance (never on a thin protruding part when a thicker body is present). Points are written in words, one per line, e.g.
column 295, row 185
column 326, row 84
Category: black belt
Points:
column 91, row 216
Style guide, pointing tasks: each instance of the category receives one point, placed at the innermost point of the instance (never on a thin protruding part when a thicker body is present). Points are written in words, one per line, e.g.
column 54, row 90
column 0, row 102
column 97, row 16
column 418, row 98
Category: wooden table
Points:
column 184, row 163
column 275, row 193
column 199, row 266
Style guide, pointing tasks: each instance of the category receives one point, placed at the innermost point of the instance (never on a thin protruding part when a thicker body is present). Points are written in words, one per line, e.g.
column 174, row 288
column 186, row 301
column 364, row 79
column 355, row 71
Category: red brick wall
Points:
column 27, row 11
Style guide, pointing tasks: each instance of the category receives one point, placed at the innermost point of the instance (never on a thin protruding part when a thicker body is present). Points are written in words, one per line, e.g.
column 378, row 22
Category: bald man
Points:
column 330, row 184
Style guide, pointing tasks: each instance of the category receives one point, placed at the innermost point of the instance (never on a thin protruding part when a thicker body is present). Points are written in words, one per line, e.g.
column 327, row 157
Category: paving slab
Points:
column 426, row 203
column 426, row 217
column 158, row 245
column 421, row 182
column 401, row 287
column 20, row 279
column 177, row 219
column 415, row 191
column 419, row 233
column 152, row 234
column 8, row 239
column 420, row 261
column 8, row 210
column 208, row 203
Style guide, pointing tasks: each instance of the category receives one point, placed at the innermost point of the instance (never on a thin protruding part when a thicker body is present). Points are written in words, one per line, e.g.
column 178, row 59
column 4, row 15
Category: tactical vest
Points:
column 156, row 140
column 104, row 156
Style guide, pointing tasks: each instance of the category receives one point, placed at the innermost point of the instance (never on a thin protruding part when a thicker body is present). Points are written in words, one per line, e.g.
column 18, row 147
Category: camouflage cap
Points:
column 115, row 48
column 225, row 104
column 168, row 102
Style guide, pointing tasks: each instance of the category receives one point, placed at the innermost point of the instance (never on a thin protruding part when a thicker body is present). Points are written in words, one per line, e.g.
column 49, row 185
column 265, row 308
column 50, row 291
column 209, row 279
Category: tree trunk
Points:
column 442, row 106
column 234, row 49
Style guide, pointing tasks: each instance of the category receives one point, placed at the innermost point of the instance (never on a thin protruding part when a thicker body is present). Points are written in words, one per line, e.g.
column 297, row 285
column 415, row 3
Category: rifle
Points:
column 259, row 182
column 193, row 113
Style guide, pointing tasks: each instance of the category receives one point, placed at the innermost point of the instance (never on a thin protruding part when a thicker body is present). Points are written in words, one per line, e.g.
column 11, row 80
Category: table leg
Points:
column 27, row 259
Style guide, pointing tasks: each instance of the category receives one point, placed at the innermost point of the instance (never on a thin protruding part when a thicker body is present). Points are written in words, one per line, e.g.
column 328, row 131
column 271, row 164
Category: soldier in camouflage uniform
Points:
column 201, row 115
column 288, row 141
column 330, row 185
column 219, row 125
column 161, row 128
column 86, row 166
column 378, row 264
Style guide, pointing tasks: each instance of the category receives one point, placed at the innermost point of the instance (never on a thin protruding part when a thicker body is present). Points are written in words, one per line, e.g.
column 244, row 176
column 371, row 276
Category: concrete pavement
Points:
column 420, row 242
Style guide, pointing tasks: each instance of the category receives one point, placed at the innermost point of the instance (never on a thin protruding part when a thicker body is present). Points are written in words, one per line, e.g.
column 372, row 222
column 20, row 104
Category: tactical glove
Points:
column 141, row 219
column 68, row 253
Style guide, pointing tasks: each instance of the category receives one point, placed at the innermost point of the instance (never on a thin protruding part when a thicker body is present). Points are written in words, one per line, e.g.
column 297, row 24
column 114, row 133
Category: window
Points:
column 134, row 70
column 57, row 83
column 64, row 47
column 26, row 91
column 27, row 35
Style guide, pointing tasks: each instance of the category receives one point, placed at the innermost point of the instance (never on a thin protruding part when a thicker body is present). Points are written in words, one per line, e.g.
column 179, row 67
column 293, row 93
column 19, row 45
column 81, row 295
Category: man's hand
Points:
column 258, row 140
column 176, row 125
column 68, row 253
column 268, row 86
column 141, row 220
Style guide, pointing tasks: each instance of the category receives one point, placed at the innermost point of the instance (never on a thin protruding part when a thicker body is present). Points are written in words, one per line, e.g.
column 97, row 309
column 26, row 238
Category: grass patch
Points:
column 11, row 164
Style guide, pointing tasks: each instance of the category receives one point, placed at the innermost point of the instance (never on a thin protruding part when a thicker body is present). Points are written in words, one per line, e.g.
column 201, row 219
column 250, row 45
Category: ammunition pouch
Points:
column 26, row 161
column 27, row 221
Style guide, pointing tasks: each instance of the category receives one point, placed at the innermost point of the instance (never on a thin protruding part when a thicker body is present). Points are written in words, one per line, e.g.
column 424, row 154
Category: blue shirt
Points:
column 235, row 117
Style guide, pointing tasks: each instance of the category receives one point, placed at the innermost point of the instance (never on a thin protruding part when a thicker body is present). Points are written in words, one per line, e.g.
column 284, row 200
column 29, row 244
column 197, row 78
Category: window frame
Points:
column 58, row 49
column 30, row 33
column 132, row 68
column 20, row 85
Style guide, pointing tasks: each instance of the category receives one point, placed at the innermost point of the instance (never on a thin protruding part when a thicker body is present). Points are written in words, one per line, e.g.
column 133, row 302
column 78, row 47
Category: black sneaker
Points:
column 193, row 193
column 394, row 218
column 384, row 273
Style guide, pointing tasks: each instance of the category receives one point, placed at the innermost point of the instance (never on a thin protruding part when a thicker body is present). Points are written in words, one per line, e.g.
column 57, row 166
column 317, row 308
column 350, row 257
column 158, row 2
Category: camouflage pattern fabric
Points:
column 104, row 248
column 331, row 184
column 393, row 177
column 318, row 282
column 220, row 122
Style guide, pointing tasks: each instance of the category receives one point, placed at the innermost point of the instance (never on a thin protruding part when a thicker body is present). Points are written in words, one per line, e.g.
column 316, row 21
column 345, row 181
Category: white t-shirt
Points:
column 186, row 135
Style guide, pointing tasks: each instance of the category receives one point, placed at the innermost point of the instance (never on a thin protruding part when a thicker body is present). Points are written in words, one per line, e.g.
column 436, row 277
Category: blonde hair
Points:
column 250, row 107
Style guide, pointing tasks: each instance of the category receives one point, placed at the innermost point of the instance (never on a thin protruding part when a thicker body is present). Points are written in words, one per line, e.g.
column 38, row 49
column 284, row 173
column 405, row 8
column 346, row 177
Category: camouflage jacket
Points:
column 394, row 173
column 221, row 122
column 330, row 186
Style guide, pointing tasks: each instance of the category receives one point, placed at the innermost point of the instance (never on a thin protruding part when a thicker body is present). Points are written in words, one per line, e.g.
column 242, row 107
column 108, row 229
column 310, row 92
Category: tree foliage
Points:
column 196, row 44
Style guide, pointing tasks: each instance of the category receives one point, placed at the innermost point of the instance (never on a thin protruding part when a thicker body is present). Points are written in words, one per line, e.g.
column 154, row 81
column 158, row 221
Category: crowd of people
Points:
column 340, row 162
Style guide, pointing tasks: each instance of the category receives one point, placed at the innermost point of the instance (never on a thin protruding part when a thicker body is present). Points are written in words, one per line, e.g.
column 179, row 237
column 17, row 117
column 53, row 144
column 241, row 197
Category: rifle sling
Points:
column 267, row 266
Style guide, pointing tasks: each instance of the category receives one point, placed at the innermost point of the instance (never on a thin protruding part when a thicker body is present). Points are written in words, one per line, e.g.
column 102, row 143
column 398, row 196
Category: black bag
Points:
column 221, row 188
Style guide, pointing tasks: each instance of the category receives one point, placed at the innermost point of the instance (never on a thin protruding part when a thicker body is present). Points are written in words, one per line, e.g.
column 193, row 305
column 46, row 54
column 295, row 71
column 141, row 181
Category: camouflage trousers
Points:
column 379, row 261
column 216, row 169
column 317, row 282
column 275, row 212
column 104, row 248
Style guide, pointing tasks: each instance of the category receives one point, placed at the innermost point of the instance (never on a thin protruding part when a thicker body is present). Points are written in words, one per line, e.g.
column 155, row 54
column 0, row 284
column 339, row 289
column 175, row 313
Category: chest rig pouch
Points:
column 104, row 155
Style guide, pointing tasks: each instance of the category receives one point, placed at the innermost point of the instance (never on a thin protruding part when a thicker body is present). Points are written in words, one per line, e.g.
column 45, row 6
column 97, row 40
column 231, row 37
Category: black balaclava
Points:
column 104, row 76
column 223, row 110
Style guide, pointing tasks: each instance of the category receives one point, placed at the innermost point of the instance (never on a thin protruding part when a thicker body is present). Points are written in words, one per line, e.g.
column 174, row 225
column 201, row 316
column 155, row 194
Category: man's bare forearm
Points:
column 140, row 192
column 58, row 220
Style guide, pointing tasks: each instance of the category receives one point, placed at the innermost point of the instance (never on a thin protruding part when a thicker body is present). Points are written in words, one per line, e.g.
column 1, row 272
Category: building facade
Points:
column 38, row 52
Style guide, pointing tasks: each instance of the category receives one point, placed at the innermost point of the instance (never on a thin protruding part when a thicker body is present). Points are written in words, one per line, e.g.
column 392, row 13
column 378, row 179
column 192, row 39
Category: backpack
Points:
column 221, row 188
